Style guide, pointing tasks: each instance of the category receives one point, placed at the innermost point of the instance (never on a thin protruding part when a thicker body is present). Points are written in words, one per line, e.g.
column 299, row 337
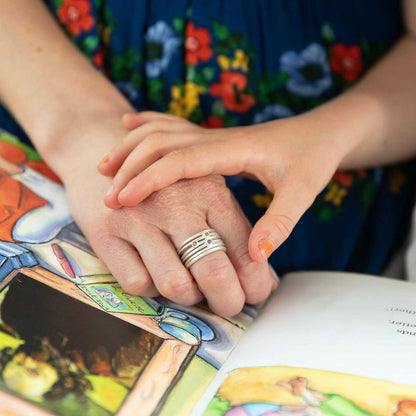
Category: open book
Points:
column 72, row 342
column 327, row 343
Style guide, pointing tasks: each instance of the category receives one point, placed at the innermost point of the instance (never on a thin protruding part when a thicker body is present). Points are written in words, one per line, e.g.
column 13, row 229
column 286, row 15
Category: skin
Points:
column 370, row 125
column 72, row 126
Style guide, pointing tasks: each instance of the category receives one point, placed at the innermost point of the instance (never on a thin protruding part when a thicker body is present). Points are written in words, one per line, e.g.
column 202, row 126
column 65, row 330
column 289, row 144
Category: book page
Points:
column 72, row 341
column 339, row 322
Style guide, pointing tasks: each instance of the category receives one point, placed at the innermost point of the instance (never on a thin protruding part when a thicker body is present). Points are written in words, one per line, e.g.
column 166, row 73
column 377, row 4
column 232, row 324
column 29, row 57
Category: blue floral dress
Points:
column 237, row 62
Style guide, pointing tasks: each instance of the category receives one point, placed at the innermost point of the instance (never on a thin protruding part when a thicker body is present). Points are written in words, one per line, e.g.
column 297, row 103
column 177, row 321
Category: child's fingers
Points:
column 149, row 151
column 112, row 162
column 184, row 163
column 142, row 156
column 134, row 120
column 291, row 199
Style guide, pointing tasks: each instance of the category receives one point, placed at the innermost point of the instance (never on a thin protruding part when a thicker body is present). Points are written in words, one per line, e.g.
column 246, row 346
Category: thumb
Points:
column 287, row 207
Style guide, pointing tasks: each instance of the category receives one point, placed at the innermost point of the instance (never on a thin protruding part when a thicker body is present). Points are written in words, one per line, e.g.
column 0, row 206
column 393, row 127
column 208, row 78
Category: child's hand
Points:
column 294, row 158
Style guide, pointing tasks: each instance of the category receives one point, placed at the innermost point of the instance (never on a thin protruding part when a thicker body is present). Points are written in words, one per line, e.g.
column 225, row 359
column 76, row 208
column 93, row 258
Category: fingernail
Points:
column 110, row 191
column 124, row 190
column 105, row 159
column 266, row 249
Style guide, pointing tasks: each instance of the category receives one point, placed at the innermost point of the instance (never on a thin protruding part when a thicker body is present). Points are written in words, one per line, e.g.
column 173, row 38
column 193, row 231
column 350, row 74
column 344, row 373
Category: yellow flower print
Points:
column 105, row 33
column 240, row 60
column 397, row 180
column 183, row 104
column 262, row 200
column 335, row 194
column 224, row 62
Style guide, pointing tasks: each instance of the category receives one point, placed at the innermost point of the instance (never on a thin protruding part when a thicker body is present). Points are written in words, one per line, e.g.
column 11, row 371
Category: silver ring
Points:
column 199, row 245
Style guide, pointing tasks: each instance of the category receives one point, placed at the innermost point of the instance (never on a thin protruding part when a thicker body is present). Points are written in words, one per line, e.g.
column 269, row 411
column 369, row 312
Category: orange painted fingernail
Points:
column 105, row 159
column 266, row 249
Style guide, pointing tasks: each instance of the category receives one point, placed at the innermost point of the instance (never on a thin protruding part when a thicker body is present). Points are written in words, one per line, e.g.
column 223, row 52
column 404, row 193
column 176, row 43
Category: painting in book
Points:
column 72, row 341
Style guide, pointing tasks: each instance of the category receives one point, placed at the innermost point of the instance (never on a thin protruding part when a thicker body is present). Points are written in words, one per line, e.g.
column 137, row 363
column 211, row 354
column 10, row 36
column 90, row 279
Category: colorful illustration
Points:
column 111, row 297
column 61, row 351
column 278, row 391
column 36, row 227
column 63, row 354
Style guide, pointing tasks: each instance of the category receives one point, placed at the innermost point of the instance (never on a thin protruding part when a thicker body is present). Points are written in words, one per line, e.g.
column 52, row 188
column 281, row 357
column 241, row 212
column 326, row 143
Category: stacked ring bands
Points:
column 199, row 245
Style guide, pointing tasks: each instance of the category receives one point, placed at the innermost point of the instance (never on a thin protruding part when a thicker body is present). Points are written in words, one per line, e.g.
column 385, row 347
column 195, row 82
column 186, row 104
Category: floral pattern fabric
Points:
column 239, row 62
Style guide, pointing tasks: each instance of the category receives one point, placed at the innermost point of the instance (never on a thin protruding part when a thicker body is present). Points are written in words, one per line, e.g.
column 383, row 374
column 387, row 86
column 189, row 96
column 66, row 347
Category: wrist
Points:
column 349, row 123
column 80, row 141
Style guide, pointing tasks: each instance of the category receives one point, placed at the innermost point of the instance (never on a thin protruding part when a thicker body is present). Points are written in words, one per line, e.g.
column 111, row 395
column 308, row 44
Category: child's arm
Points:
column 372, row 124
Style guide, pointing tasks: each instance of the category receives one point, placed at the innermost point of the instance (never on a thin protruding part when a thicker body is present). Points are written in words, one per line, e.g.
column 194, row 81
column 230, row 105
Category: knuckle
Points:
column 232, row 307
column 170, row 198
column 215, row 270
column 239, row 252
column 176, row 155
column 213, row 187
column 175, row 285
column 155, row 137
column 257, row 294
column 255, row 290
column 283, row 225
column 132, row 138
column 134, row 286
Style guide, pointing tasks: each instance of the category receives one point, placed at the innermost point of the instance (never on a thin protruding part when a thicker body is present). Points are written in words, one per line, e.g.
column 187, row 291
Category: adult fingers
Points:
column 291, row 199
column 185, row 163
column 214, row 274
column 127, row 267
column 169, row 275
column 256, row 279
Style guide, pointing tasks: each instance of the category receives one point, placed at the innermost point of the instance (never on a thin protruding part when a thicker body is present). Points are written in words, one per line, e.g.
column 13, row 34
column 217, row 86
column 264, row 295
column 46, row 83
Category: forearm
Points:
column 375, row 122
column 49, row 86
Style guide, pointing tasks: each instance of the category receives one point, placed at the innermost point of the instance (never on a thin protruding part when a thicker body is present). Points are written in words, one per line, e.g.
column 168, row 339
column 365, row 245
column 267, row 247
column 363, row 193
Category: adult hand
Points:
column 139, row 243
column 294, row 158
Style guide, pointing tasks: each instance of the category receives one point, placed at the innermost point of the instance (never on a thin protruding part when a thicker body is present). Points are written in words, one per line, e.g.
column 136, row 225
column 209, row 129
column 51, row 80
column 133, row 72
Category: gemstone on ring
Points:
column 199, row 245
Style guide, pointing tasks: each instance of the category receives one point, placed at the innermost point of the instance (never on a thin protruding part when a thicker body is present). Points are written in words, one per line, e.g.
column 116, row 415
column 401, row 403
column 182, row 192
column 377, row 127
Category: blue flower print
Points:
column 309, row 71
column 161, row 43
column 128, row 90
column 272, row 112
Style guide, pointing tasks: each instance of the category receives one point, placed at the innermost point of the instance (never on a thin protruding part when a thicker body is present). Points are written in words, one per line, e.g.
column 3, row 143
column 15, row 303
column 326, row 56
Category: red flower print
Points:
column 346, row 61
column 98, row 59
column 197, row 42
column 361, row 173
column 344, row 179
column 213, row 122
column 75, row 14
column 231, row 90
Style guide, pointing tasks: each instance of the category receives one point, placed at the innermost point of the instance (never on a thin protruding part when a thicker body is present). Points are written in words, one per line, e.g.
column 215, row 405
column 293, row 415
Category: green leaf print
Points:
column 91, row 43
column 221, row 30
column 56, row 3
column 208, row 73
column 218, row 109
column 327, row 33
column 178, row 24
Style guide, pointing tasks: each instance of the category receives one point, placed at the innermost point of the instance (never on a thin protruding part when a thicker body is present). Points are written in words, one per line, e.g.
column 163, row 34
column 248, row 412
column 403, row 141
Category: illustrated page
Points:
column 339, row 322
